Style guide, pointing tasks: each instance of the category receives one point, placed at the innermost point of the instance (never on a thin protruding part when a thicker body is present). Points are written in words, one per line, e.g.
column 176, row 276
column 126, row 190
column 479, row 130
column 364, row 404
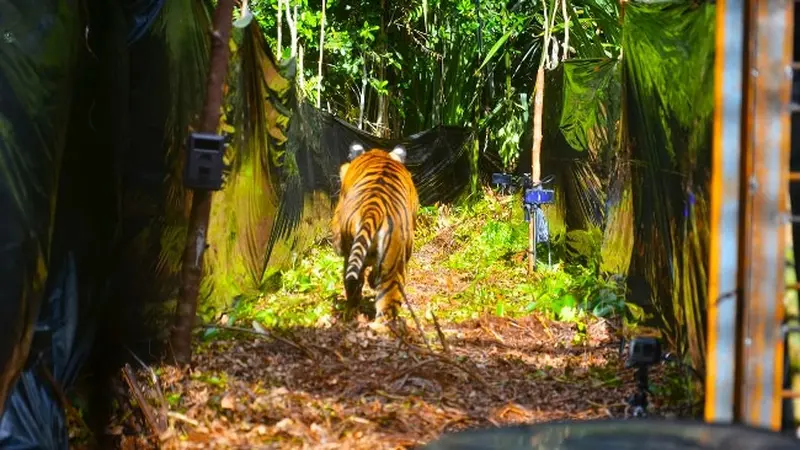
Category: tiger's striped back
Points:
column 373, row 225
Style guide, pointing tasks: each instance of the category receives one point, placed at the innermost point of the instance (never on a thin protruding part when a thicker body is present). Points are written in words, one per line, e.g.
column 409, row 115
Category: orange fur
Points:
column 373, row 225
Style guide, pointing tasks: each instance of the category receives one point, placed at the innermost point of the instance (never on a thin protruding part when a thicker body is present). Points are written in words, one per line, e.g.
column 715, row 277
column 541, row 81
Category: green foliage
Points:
column 461, row 63
column 584, row 246
column 319, row 271
column 302, row 297
column 493, row 252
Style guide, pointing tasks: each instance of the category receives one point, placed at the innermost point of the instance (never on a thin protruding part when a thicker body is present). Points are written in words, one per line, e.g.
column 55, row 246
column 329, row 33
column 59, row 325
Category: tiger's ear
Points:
column 356, row 150
column 343, row 171
column 398, row 154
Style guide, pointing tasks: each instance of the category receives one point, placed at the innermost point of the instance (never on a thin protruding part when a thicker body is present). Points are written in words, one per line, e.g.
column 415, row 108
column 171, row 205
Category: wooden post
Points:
column 192, row 270
column 536, row 170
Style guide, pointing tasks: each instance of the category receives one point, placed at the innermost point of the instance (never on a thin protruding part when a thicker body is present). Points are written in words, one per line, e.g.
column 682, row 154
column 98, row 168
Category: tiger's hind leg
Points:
column 389, row 298
column 353, row 292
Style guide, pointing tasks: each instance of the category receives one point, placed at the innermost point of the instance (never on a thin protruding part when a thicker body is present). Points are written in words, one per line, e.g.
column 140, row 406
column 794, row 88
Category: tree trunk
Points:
column 321, row 53
column 536, row 168
column 565, row 14
column 291, row 21
column 280, row 30
column 192, row 270
column 362, row 101
column 301, row 78
column 383, row 100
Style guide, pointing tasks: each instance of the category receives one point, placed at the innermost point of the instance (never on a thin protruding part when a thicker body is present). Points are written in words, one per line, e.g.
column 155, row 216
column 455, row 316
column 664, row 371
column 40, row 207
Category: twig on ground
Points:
column 291, row 340
column 183, row 418
column 263, row 334
column 157, row 426
column 412, row 368
column 416, row 321
column 445, row 359
column 154, row 379
column 445, row 347
column 544, row 326
column 496, row 336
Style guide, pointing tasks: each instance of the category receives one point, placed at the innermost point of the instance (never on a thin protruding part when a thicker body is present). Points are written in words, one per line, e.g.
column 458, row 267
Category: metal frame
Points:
column 725, row 214
column 750, row 168
column 767, row 175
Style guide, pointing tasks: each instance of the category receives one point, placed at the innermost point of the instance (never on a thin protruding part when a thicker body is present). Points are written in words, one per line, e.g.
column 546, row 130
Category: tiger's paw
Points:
column 383, row 323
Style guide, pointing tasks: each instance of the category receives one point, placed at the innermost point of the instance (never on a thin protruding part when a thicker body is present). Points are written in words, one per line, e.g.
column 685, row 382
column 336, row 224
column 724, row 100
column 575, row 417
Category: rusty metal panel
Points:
column 725, row 212
column 767, row 176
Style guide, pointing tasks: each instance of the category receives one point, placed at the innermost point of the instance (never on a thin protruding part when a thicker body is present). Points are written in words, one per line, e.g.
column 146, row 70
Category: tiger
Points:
column 373, row 225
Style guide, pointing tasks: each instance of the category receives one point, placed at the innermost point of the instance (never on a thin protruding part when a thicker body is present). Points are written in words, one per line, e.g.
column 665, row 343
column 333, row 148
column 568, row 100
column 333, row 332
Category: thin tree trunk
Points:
column 321, row 54
column 536, row 168
column 192, row 270
column 383, row 101
column 565, row 14
column 291, row 21
column 280, row 29
column 362, row 101
column 538, row 109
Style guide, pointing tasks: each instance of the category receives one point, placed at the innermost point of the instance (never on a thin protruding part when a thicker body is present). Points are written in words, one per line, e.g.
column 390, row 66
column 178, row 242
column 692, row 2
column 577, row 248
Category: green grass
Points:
column 486, row 242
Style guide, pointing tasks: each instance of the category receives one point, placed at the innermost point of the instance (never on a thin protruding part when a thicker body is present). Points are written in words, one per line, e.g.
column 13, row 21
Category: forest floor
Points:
column 491, row 355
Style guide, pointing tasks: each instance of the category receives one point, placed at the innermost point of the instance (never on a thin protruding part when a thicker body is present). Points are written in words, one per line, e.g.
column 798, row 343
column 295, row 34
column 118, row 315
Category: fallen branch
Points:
column 411, row 369
column 154, row 379
column 157, row 426
column 445, row 347
column 183, row 418
column 416, row 321
column 263, row 334
column 496, row 336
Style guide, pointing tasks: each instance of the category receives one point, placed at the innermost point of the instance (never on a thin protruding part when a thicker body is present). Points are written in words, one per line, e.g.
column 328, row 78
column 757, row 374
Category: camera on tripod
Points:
column 643, row 352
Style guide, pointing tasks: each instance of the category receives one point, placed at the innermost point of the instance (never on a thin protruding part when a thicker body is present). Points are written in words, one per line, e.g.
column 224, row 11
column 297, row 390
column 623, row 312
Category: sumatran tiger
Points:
column 373, row 225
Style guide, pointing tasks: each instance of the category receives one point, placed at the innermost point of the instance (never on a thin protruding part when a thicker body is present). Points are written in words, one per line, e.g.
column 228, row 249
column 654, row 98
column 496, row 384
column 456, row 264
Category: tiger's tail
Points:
column 358, row 254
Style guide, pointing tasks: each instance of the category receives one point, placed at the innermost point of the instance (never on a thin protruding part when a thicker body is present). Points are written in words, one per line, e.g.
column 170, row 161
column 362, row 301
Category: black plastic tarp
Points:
column 646, row 186
column 668, row 94
column 62, row 68
column 37, row 66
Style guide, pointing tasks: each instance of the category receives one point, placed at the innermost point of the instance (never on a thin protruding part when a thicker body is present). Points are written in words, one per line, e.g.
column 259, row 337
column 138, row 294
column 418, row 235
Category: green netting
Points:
column 668, row 85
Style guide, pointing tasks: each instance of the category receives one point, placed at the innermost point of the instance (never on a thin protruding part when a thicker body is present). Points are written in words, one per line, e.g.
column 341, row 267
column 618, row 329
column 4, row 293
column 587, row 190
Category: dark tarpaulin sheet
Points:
column 69, row 116
column 437, row 158
column 668, row 94
column 37, row 68
column 590, row 113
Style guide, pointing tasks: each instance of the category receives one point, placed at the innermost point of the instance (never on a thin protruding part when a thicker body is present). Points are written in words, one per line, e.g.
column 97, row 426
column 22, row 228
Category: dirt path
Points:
column 348, row 386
